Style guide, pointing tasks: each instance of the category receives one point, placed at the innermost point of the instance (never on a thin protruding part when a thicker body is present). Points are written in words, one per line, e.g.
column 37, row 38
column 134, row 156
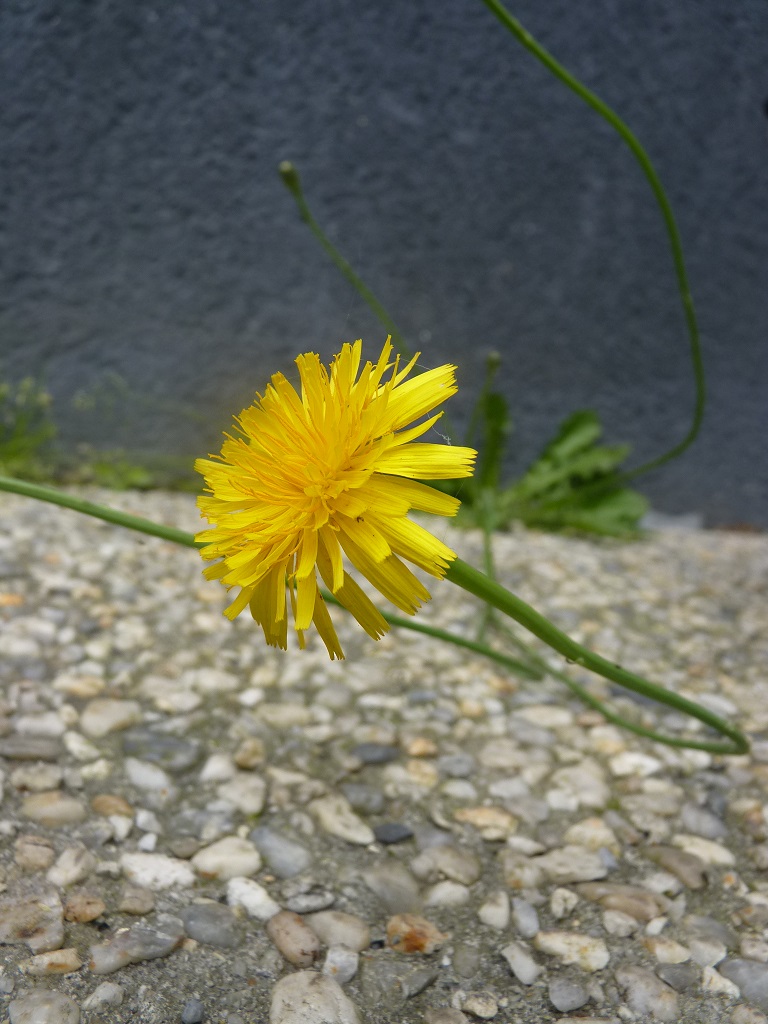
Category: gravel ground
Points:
column 197, row 828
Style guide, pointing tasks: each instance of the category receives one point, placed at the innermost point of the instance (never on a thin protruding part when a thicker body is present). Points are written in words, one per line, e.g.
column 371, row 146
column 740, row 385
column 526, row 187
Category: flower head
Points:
column 324, row 474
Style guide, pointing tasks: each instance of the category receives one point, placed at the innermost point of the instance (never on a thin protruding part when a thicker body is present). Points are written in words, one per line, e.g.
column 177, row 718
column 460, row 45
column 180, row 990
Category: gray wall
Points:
column 145, row 232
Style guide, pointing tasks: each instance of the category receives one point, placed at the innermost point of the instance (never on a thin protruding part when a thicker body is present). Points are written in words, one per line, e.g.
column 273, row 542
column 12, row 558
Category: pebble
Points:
column 193, row 1012
column 524, row 918
column 687, row 866
column 447, row 861
column 284, row 856
column 231, row 857
column 445, row 1015
column 108, row 993
column 37, row 777
column 42, row 1006
column 72, row 865
column 410, row 933
column 104, row 715
column 341, row 964
column 142, row 941
column 335, row 928
column 572, row 864
column 392, row 832
column 293, row 937
column 395, row 886
column 562, row 902
column 53, row 809
column 447, row 894
column 495, row 911
column 681, row 977
column 521, row 963
column 147, row 776
column 252, row 897
column 713, row 983
column 647, row 994
column 135, row 899
column 156, row 871
column 30, row 748
column 566, row 995
column 493, row 823
column 212, row 924
column 35, row 919
column 246, row 791
column 58, row 961
column 751, row 978
column 706, row 850
column 33, row 853
column 586, row 952
column 481, row 1005
column 336, row 817
column 83, row 907
column 375, row 753
column 172, row 753
column 306, row 997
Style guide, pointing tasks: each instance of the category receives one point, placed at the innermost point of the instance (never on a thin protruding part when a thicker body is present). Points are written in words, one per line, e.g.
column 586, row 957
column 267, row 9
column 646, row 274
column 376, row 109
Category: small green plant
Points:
column 574, row 484
column 26, row 429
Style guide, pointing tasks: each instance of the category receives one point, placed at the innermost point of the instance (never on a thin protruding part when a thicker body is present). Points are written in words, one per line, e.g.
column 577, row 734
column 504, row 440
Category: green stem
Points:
column 90, row 508
column 527, row 40
column 290, row 177
column 474, row 582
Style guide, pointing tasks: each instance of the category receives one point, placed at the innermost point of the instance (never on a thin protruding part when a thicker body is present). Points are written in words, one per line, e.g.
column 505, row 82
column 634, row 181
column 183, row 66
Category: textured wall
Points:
column 145, row 232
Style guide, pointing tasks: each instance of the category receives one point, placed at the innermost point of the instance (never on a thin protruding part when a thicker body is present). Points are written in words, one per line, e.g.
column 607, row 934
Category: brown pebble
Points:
column 294, row 938
column 59, row 961
column 109, row 804
column 250, row 753
column 33, row 853
column 690, row 869
column 421, row 746
column 136, row 900
column 410, row 933
column 83, row 907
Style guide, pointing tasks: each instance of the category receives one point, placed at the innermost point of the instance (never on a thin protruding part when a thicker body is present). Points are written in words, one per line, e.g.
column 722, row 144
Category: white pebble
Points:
column 156, row 871
column 227, row 858
column 495, row 911
column 252, row 897
column 521, row 963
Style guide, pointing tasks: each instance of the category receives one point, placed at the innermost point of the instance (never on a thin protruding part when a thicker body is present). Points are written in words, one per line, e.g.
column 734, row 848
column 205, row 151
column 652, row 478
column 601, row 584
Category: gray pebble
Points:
column 567, row 995
column 303, row 895
column 375, row 753
column 392, row 832
column 680, row 977
column 193, row 1012
column 169, row 752
column 466, row 959
column 363, row 798
column 697, row 926
column 416, row 981
column 395, row 886
column 750, row 976
column 30, row 748
column 525, row 918
column 142, row 941
column 701, row 822
column 284, row 856
column 647, row 994
column 213, row 924
column 42, row 1006
column 456, row 766
column 108, row 993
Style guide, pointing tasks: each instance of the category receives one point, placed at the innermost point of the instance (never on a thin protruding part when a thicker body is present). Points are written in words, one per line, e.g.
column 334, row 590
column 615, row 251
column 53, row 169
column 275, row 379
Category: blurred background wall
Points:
column 155, row 272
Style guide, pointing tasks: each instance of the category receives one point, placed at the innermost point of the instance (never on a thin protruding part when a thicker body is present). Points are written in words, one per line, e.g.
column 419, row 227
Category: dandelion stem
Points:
column 524, row 37
column 488, row 590
column 475, row 582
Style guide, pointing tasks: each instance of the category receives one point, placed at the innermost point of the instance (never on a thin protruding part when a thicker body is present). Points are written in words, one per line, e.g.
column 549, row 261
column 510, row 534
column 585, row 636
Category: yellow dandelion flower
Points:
column 324, row 474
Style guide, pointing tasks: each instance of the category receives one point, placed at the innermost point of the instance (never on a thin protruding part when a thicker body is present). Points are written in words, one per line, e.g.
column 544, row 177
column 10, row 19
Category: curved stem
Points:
column 474, row 582
column 527, row 40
